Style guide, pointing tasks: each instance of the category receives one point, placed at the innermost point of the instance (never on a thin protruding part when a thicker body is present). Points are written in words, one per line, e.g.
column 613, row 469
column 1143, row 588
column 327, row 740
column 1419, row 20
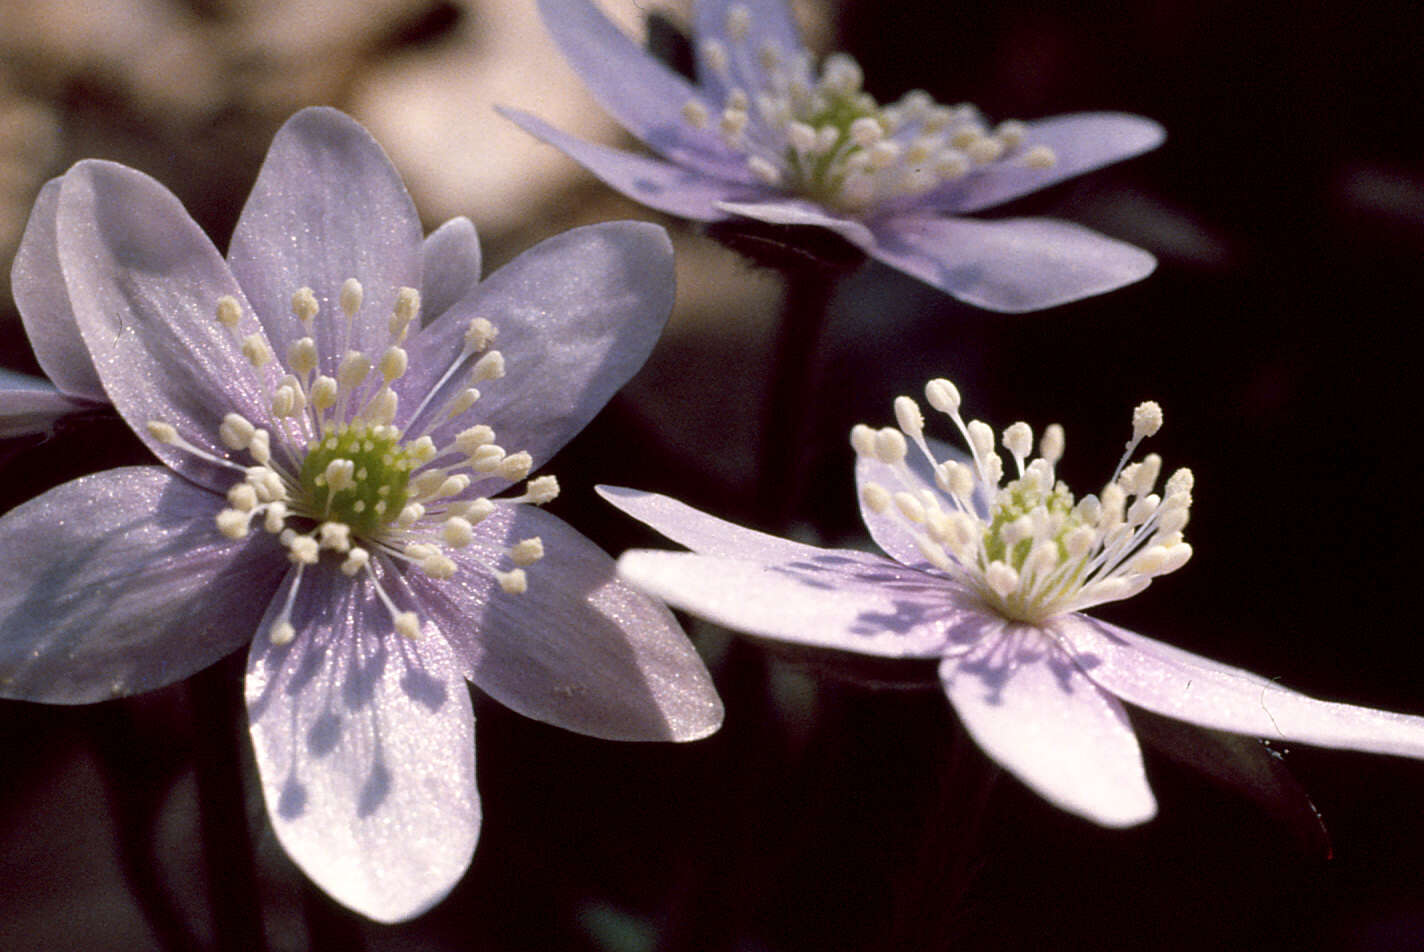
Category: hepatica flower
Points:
column 990, row 577
column 347, row 419
column 765, row 135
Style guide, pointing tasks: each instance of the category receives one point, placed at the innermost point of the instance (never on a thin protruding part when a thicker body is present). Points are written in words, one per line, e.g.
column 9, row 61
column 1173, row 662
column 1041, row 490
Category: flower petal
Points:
column 836, row 598
column 327, row 206
column 644, row 96
column 43, row 300
column 451, row 256
column 119, row 583
column 675, row 189
column 1081, row 143
column 769, row 25
column 366, row 749
column 1030, row 708
column 1178, row 684
column 577, row 315
column 701, row 532
column 796, row 211
column 31, row 404
column 578, row 649
column 1013, row 265
column 144, row 282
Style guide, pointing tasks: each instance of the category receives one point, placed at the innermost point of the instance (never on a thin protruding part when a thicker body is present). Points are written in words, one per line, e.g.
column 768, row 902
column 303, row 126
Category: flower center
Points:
column 358, row 475
column 1031, row 551
column 335, row 464
column 823, row 137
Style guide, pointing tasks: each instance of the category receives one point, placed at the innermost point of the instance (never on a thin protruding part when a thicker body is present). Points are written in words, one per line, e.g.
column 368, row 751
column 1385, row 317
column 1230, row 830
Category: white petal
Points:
column 365, row 744
column 1027, row 705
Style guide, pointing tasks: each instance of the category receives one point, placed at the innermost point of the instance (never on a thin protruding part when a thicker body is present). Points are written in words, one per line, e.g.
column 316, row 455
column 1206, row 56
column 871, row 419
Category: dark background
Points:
column 1287, row 213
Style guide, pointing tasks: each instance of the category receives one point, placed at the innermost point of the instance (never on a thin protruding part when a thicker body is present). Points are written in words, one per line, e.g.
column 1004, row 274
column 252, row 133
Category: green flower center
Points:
column 1008, row 540
column 359, row 475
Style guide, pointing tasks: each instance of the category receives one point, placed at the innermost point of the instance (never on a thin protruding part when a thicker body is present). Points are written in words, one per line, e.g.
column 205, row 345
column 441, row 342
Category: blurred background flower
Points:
column 1286, row 210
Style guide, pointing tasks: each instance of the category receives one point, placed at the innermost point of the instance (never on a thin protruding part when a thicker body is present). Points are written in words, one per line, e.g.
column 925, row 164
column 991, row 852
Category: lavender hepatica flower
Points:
column 31, row 404
column 763, row 136
column 991, row 578
column 330, row 493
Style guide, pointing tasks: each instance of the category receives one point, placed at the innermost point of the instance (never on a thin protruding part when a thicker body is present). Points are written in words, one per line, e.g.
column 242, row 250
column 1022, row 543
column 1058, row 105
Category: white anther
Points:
column 260, row 447
column 695, row 112
column 304, row 305
column 955, row 478
column 1018, row 440
column 486, row 458
column 452, row 485
column 335, row 536
column 802, row 137
column 890, row 447
column 983, row 150
column 427, row 483
column 472, row 510
column 340, row 474
column 910, row 507
column 516, row 466
column 163, row 432
column 739, row 22
column 1142, row 509
column 909, row 417
column 410, row 514
column 862, row 440
column 422, row 450
column 233, row 522
column 457, row 532
column 541, row 489
column 841, row 74
column 393, row 363
column 356, row 560
column 284, row 401
column 235, row 432
column 714, row 54
column 942, row 395
column 471, row 439
column 488, row 367
column 480, row 334
column 866, row 131
column 405, row 311
column 876, row 497
column 463, row 401
column 242, row 496
column 1050, row 447
column 733, row 123
column 1011, row 133
column 766, row 172
column 255, row 349
column 351, row 296
column 981, row 440
column 266, row 483
column 302, row 355
column 282, row 633
column 527, row 551
column 324, row 391
column 951, row 164
column 438, row 565
column 1080, row 541
column 1146, row 419
column 304, row 550
column 353, row 369
column 1001, row 578
column 1039, row 157
column 1177, row 557
column 382, row 409
column 1180, row 482
column 407, row 625
column 275, row 517
column 883, row 154
column 229, row 311
column 513, row 582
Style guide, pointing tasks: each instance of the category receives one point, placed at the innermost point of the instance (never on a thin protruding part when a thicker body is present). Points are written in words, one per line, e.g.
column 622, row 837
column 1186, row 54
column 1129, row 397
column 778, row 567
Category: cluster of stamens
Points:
column 824, row 137
column 347, row 479
column 1026, row 546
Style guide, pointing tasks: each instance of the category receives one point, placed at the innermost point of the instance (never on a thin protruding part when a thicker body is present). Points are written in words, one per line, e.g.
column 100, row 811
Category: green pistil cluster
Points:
column 1016, row 500
column 368, row 493
column 820, row 175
